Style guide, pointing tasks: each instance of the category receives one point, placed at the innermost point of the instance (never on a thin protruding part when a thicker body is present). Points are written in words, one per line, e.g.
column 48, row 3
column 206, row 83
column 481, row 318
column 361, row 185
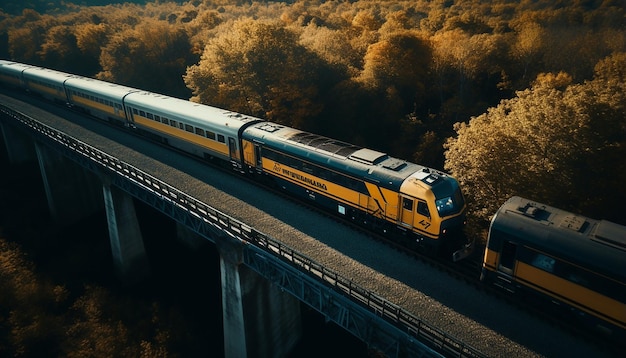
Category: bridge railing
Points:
column 397, row 316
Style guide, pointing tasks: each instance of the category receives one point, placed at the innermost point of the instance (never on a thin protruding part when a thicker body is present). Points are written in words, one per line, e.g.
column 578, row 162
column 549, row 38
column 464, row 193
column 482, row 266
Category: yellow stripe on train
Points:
column 312, row 182
column 99, row 106
column 581, row 297
column 213, row 146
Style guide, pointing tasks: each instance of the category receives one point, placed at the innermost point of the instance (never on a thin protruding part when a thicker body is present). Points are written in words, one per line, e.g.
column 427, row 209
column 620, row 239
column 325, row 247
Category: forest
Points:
column 510, row 97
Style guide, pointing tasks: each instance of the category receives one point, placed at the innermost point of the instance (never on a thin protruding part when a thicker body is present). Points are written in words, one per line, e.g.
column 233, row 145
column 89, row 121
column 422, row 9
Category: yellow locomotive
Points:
column 421, row 206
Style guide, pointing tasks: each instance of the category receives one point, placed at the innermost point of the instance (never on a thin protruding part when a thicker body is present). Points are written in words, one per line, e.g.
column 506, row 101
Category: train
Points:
column 544, row 254
column 573, row 264
column 421, row 207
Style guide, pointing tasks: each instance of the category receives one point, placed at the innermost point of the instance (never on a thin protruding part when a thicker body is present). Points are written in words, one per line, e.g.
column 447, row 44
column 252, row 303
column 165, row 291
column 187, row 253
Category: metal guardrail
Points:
column 205, row 220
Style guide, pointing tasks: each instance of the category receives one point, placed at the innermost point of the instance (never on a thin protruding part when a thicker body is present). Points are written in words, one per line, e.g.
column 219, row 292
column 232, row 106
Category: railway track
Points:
column 467, row 269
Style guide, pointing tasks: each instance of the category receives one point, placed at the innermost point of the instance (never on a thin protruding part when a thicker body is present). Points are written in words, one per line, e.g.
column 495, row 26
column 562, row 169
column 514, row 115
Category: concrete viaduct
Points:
column 262, row 280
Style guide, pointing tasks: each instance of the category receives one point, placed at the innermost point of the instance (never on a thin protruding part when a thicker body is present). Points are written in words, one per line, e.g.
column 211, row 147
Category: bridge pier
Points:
column 260, row 320
column 129, row 254
column 19, row 146
column 71, row 191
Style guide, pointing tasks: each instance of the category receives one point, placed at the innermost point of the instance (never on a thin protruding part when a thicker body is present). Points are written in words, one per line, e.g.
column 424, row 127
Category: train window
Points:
column 210, row 135
column 165, row 120
column 507, row 257
column 157, row 118
column 188, row 128
column 543, row 262
column 173, row 123
column 445, row 206
column 142, row 113
column 422, row 208
column 150, row 116
column 407, row 204
column 220, row 138
column 200, row 131
column 180, row 125
column 270, row 154
column 135, row 111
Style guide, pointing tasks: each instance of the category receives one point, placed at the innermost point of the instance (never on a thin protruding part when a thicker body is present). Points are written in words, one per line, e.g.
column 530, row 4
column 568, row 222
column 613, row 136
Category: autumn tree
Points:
column 97, row 329
column 26, row 36
column 152, row 56
column 557, row 142
column 461, row 60
column 38, row 318
column 90, row 38
column 399, row 64
column 30, row 324
column 259, row 68
column 527, row 49
column 396, row 76
column 334, row 47
column 61, row 50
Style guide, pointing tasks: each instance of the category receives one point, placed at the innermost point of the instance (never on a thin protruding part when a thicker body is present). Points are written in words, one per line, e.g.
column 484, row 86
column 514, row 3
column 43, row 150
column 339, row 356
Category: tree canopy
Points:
column 557, row 141
column 259, row 68
column 398, row 76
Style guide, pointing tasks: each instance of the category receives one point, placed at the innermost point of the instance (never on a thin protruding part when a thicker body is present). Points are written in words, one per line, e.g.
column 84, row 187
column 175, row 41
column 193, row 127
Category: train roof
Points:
column 192, row 113
column 14, row 67
column 100, row 87
column 597, row 244
column 47, row 75
column 359, row 162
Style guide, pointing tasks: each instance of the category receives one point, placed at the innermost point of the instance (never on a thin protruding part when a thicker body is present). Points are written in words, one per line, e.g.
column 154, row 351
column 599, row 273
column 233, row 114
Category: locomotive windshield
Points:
column 450, row 204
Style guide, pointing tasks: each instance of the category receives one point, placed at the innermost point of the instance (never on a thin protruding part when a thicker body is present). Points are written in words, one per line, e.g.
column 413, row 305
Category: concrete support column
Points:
column 260, row 320
column 129, row 254
column 19, row 146
column 71, row 191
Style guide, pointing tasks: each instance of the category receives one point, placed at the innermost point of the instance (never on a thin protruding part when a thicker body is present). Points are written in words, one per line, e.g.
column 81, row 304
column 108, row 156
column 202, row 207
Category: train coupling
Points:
column 463, row 252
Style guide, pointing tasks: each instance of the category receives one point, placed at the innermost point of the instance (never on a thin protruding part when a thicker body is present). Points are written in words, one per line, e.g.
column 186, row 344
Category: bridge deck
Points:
column 483, row 321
